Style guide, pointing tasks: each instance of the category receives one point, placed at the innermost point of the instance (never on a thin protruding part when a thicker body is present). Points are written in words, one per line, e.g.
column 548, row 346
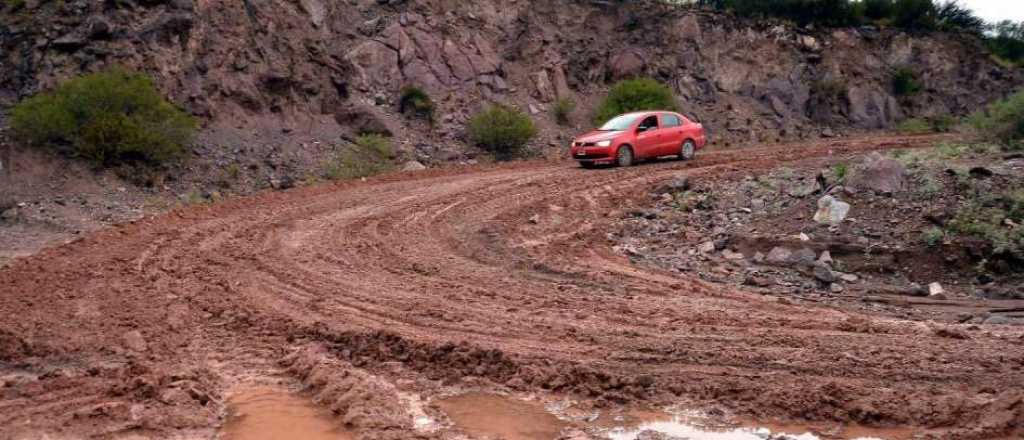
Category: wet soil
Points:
column 264, row 413
column 413, row 284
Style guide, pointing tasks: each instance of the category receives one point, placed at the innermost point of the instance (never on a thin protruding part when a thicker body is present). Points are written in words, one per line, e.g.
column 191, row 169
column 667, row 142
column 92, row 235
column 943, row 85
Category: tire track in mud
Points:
column 443, row 272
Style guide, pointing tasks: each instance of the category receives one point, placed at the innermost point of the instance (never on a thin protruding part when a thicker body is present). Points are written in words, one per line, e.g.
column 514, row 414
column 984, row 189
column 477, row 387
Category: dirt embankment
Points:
column 441, row 277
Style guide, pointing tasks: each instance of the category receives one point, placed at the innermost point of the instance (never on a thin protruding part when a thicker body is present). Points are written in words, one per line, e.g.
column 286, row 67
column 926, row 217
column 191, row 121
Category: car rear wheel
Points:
column 688, row 150
column 624, row 157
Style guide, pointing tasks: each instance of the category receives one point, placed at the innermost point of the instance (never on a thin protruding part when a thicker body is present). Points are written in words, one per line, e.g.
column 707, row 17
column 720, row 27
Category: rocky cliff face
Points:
column 274, row 75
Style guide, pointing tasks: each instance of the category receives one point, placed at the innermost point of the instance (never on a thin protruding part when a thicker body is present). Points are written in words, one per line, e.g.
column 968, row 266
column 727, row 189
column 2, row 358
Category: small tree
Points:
column 501, row 130
column 110, row 116
column 635, row 95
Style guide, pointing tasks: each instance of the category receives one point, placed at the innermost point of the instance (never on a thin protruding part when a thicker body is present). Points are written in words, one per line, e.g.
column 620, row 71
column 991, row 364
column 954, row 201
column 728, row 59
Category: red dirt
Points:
column 142, row 327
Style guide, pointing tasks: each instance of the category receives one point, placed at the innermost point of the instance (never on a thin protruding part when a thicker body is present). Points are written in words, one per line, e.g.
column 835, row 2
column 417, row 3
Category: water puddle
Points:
column 264, row 413
column 491, row 416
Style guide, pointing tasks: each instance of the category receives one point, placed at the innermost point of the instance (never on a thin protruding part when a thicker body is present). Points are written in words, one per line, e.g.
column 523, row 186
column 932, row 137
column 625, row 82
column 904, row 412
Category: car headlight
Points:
column 606, row 143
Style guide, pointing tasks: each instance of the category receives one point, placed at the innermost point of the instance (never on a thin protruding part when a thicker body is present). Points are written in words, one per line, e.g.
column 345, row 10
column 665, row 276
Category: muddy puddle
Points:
column 492, row 416
column 264, row 413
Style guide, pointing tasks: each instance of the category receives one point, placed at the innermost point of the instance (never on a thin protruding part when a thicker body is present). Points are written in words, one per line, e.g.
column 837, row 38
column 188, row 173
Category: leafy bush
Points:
column 932, row 237
column 828, row 90
column 372, row 155
column 416, row 101
column 908, row 14
column 904, row 81
column 501, row 130
column 635, row 95
column 563, row 110
column 110, row 116
column 1003, row 121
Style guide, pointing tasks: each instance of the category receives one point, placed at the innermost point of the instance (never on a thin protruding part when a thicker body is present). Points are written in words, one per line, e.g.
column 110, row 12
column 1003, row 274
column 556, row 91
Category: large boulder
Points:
column 628, row 63
column 880, row 174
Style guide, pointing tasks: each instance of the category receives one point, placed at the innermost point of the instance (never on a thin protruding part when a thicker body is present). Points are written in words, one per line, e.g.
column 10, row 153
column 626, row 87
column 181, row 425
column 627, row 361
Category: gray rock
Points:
column 676, row 185
column 998, row 320
column 413, row 165
column 782, row 256
column 824, row 274
column 880, row 174
column 849, row 277
column 831, row 211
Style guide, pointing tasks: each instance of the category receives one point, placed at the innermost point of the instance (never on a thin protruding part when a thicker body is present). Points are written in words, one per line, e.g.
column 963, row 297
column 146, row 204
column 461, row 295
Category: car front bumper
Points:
column 593, row 154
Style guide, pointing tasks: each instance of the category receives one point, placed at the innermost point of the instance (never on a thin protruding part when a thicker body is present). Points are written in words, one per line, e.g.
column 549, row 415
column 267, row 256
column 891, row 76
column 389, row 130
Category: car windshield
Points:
column 619, row 123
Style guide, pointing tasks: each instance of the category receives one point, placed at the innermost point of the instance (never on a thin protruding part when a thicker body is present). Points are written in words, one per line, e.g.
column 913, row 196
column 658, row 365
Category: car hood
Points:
column 598, row 136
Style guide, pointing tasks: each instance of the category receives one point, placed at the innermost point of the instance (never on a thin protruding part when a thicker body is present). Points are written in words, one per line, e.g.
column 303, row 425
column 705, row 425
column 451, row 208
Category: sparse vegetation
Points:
column 905, row 82
column 108, row 117
column 416, row 102
column 370, row 155
column 635, row 95
column 997, row 219
column 233, row 171
column 914, row 126
column 502, row 130
column 933, row 237
column 1003, row 122
column 840, row 171
column 563, row 109
column 937, row 124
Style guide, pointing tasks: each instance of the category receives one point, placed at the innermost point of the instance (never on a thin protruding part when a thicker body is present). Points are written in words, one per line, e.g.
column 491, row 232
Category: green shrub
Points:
column 932, row 237
column 1002, row 121
column 840, row 171
column 914, row 14
column 417, row 102
column 502, row 130
column 635, row 95
column 111, row 116
column 372, row 154
column 914, row 126
column 904, row 82
column 563, row 110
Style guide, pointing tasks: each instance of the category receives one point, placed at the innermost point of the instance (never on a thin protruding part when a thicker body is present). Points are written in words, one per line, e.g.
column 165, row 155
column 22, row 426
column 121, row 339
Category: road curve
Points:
column 443, row 273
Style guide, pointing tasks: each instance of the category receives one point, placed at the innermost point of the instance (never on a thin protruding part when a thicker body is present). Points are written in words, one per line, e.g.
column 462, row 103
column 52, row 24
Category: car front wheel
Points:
column 624, row 158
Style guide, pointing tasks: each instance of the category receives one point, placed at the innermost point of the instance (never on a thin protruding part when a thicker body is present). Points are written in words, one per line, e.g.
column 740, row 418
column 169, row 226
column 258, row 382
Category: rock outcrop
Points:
column 263, row 66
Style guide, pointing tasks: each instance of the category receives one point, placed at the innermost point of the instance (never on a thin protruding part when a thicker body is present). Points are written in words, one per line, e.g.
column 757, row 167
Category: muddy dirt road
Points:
column 368, row 291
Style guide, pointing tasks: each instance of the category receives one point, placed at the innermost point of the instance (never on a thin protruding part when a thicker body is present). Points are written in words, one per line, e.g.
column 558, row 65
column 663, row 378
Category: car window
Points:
column 671, row 121
column 619, row 123
column 649, row 123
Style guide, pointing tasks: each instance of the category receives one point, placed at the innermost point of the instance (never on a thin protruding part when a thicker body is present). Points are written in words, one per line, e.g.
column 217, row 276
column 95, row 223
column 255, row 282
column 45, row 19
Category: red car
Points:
column 642, row 135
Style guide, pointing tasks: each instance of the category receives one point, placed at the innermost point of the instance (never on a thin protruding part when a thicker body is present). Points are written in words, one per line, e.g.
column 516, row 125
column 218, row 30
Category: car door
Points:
column 648, row 137
column 673, row 134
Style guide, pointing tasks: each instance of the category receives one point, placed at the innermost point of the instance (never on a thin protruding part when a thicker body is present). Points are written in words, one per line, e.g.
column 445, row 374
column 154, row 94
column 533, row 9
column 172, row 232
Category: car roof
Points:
column 648, row 112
